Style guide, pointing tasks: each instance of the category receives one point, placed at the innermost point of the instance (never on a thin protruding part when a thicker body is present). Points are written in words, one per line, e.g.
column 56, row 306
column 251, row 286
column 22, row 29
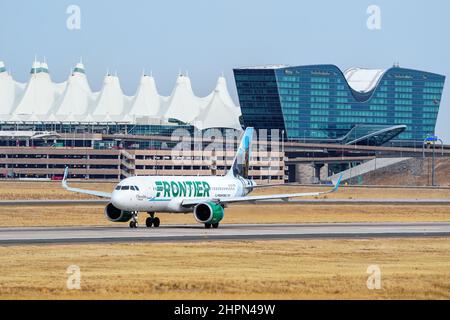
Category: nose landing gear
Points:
column 152, row 221
column 134, row 222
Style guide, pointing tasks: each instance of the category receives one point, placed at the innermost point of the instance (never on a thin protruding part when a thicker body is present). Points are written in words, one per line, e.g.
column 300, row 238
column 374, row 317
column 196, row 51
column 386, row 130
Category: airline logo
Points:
column 174, row 189
column 242, row 164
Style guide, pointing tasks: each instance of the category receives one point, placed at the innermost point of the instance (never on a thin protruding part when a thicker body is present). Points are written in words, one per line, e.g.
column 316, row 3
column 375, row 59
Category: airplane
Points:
column 204, row 196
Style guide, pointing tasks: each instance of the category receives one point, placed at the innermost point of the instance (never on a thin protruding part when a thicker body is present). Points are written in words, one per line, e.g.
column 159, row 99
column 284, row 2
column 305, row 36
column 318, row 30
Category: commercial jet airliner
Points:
column 206, row 197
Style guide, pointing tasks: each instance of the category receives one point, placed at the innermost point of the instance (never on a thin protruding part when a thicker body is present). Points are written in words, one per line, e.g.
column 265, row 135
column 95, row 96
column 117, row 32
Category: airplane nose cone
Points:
column 119, row 200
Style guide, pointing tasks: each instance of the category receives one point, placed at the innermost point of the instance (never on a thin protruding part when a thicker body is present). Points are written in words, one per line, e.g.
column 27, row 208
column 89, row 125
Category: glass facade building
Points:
column 322, row 103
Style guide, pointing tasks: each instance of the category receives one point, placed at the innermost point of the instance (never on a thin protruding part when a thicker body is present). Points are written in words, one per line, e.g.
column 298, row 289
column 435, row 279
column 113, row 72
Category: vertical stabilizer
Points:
column 241, row 163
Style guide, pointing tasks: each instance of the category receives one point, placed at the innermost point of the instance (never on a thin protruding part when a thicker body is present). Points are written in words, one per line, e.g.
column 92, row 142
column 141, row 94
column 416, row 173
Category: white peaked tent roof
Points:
column 220, row 111
column 10, row 91
column 182, row 104
column 77, row 97
column 40, row 93
column 41, row 100
column 147, row 101
column 222, row 89
column 111, row 102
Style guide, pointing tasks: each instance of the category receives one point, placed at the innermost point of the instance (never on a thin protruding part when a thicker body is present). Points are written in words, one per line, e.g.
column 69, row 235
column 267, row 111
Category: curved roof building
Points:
column 41, row 100
column 320, row 102
column 363, row 80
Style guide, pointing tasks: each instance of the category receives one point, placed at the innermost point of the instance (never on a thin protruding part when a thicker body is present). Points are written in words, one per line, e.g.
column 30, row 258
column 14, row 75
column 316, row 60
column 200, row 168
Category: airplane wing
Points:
column 286, row 197
column 83, row 191
column 271, row 185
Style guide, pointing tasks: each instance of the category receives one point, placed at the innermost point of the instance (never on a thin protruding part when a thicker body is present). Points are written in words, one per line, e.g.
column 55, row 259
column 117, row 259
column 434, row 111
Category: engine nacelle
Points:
column 116, row 215
column 209, row 213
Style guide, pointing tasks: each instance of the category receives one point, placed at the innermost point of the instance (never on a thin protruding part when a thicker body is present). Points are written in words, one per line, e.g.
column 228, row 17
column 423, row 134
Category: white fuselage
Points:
column 166, row 193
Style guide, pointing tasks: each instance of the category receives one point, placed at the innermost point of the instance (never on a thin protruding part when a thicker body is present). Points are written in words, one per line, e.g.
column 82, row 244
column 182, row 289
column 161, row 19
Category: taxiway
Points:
column 63, row 235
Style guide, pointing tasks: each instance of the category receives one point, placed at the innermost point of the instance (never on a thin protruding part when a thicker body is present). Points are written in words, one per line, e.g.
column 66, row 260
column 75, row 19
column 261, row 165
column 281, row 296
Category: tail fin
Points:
column 337, row 183
column 66, row 174
column 241, row 162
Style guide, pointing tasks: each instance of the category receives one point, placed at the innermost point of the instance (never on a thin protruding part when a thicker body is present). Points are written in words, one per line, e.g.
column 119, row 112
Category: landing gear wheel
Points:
column 208, row 225
column 133, row 224
column 156, row 222
column 215, row 225
column 149, row 222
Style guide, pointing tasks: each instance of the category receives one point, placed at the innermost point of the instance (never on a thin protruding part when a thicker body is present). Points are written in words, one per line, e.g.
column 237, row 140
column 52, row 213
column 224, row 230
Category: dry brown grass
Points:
column 12, row 190
column 281, row 213
column 18, row 190
column 297, row 269
column 411, row 268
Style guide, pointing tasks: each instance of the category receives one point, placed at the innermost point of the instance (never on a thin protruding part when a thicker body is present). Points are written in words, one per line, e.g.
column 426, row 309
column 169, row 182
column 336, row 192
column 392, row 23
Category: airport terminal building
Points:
column 321, row 103
column 45, row 126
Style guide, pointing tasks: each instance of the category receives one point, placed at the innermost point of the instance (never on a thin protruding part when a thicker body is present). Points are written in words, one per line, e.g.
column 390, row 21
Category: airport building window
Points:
column 322, row 94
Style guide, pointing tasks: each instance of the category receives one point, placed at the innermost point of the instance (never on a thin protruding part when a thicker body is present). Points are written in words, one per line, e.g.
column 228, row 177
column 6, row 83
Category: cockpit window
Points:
column 134, row 188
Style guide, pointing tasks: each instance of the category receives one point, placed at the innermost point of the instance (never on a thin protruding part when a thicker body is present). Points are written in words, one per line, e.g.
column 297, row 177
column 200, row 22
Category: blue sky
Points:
column 210, row 37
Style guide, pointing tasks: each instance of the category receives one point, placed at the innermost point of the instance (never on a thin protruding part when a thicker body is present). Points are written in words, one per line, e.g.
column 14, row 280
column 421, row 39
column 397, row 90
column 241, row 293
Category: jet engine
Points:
column 116, row 215
column 208, row 213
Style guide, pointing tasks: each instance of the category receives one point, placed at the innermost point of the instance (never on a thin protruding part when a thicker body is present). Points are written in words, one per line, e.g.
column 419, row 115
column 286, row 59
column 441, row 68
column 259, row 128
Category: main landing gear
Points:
column 209, row 225
column 152, row 221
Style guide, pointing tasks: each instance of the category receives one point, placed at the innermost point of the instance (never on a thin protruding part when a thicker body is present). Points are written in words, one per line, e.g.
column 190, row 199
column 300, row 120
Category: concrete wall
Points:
column 305, row 173
column 412, row 172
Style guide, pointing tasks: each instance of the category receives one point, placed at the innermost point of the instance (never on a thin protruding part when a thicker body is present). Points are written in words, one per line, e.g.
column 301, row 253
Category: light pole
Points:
column 432, row 139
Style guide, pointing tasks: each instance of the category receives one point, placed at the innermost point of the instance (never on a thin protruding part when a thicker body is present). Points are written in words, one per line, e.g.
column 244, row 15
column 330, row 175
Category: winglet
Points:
column 83, row 191
column 66, row 173
column 338, row 183
column 64, row 180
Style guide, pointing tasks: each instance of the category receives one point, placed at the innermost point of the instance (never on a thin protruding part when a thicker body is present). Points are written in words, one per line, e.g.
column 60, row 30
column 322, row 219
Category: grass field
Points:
column 93, row 216
column 295, row 269
column 12, row 190
column 298, row 269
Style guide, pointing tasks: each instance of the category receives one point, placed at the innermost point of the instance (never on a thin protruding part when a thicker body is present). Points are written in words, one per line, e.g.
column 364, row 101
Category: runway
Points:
column 66, row 235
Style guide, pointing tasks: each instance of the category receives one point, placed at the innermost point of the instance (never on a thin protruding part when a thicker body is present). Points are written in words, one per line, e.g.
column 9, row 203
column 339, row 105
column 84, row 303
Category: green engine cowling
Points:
column 209, row 213
column 116, row 215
